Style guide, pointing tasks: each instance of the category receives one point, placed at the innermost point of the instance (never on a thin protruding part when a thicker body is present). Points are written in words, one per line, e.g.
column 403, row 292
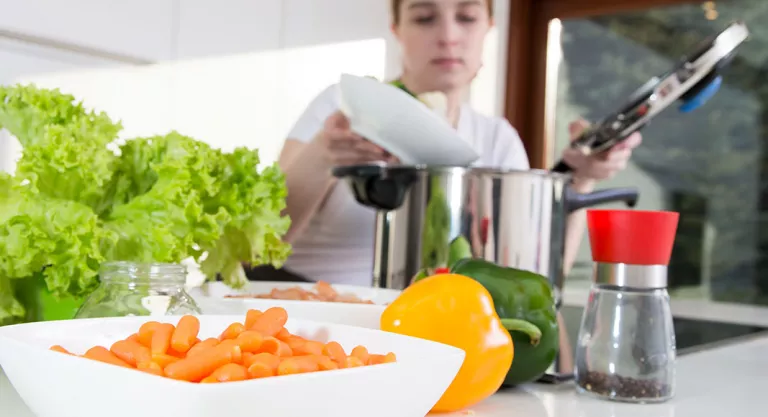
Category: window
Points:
column 708, row 165
column 249, row 99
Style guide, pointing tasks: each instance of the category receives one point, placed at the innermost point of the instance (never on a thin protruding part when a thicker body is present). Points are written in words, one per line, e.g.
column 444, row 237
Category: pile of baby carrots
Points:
column 261, row 347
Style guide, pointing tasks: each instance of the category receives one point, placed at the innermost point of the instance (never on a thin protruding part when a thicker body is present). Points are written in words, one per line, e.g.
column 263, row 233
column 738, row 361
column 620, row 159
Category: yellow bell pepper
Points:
column 457, row 311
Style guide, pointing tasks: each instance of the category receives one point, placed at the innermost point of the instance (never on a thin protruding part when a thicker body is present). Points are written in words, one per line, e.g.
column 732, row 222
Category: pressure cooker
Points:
column 510, row 217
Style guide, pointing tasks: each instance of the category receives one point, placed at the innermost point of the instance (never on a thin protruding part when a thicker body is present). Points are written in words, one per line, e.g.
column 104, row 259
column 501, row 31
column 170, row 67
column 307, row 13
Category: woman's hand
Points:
column 589, row 169
column 338, row 145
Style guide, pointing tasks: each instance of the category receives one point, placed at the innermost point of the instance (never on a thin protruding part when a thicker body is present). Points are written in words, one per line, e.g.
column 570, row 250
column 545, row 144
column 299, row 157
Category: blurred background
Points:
column 238, row 73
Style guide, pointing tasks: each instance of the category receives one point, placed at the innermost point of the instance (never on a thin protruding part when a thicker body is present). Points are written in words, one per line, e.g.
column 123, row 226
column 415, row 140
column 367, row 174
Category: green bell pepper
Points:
column 525, row 296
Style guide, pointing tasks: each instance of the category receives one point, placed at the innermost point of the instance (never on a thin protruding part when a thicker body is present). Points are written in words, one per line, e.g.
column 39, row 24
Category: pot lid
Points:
column 693, row 80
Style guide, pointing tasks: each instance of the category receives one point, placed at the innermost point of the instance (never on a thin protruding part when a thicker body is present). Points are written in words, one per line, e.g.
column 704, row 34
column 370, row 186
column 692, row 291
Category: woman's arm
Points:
column 308, row 180
column 307, row 173
column 320, row 140
column 575, row 225
column 588, row 170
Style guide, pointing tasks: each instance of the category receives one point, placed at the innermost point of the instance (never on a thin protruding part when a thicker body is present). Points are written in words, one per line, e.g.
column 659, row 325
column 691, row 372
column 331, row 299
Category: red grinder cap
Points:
column 632, row 237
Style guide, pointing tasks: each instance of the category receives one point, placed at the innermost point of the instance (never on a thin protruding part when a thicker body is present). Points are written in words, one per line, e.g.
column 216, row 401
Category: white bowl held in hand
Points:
column 211, row 298
column 59, row 385
column 401, row 124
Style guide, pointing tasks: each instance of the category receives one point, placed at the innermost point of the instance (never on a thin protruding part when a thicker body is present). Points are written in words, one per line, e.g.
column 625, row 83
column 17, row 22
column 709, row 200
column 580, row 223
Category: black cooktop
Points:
column 691, row 335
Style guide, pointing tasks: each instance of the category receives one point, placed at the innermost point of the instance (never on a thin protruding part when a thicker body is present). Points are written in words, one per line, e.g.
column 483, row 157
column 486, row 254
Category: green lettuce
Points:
column 159, row 191
column 77, row 200
column 65, row 152
column 253, row 233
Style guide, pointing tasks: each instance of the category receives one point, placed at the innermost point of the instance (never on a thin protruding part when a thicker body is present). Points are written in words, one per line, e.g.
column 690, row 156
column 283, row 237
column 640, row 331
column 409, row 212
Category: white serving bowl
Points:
column 211, row 299
column 57, row 385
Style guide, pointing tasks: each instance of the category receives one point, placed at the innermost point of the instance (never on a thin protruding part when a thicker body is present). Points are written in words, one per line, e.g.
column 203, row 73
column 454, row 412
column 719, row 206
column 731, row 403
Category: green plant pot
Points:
column 58, row 309
column 40, row 304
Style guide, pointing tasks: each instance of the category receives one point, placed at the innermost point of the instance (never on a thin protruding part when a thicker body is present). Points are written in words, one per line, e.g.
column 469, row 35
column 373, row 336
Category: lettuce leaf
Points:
column 254, row 200
column 76, row 200
column 62, row 239
column 65, row 152
column 157, row 202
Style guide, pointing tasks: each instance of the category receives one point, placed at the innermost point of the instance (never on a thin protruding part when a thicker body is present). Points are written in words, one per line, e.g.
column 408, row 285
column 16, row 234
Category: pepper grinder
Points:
column 626, row 345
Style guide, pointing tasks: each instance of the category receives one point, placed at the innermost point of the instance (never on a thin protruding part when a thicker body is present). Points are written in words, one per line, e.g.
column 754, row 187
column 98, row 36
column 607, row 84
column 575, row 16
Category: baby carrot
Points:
column 234, row 348
column 260, row 348
column 202, row 365
column 360, row 352
column 267, row 359
column 230, row 372
column 260, row 370
column 202, row 346
column 150, row 368
column 334, row 351
column 285, row 335
column 297, row 365
column 275, row 347
column 131, row 352
column 375, row 359
column 185, row 334
column 232, row 331
column 271, row 322
column 294, row 342
column 309, row 347
column 250, row 317
column 354, row 362
column 161, row 338
column 164, row 359
column 326, row 364
column 249, row 341
column 247, row 358
column 145, row 332
column 101, row 354
column 57, row 348
column 172, row 352
column 262, row 365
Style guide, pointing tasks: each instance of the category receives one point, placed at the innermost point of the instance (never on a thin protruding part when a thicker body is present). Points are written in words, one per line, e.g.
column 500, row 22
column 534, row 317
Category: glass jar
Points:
column 139, row 289
column 626, row 344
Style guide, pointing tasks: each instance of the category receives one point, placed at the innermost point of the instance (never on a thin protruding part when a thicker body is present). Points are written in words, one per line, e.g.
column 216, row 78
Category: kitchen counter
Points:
column 723, row 381
column 728, row 381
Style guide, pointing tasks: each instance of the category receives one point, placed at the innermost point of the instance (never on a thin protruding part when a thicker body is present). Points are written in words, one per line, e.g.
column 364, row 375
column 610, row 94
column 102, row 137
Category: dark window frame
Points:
column 525, row 104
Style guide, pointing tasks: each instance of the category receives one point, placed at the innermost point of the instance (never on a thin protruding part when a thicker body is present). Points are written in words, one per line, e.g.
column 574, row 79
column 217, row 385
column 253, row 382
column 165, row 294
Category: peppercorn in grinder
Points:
column 626, row 346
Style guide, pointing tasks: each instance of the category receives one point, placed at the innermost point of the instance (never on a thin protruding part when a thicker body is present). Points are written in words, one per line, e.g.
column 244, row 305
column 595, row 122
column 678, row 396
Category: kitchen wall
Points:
column 232, row 72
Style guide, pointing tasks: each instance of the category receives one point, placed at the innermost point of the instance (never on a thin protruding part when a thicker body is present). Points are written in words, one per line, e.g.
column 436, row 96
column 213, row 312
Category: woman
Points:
column 442, row 43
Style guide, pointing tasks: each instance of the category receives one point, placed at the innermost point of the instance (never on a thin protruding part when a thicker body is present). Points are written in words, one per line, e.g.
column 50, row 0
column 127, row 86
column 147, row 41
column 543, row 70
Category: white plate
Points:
column 211, row 300
column 57, row 385
column 407, row 128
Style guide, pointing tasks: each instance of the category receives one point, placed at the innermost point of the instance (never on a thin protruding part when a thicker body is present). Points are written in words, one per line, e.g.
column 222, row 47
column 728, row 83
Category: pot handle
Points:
column 576, row 201
column 378, row 186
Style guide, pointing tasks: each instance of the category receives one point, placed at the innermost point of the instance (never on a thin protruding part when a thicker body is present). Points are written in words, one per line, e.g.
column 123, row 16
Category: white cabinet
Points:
column 21, row 63
column 313, row 22
column 227, row 27
column 136, row 28
column 20, row 60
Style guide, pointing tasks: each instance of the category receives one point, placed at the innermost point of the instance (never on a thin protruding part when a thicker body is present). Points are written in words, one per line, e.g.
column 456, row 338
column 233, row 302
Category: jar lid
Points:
column 633, row 237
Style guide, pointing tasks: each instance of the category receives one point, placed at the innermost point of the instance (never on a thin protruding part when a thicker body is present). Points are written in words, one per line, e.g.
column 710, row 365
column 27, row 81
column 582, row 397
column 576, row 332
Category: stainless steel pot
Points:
column 512, row 218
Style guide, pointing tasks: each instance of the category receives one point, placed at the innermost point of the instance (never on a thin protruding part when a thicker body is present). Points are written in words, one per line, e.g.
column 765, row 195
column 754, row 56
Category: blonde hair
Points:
column 396, row 4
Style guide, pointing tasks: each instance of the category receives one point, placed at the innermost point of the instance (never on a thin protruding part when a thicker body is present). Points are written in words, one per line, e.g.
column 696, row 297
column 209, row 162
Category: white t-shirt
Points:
column 337, row 245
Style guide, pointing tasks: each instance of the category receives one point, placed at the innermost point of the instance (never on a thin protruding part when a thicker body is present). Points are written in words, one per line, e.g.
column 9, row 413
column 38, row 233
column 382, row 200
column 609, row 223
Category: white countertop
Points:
column 729, row 381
